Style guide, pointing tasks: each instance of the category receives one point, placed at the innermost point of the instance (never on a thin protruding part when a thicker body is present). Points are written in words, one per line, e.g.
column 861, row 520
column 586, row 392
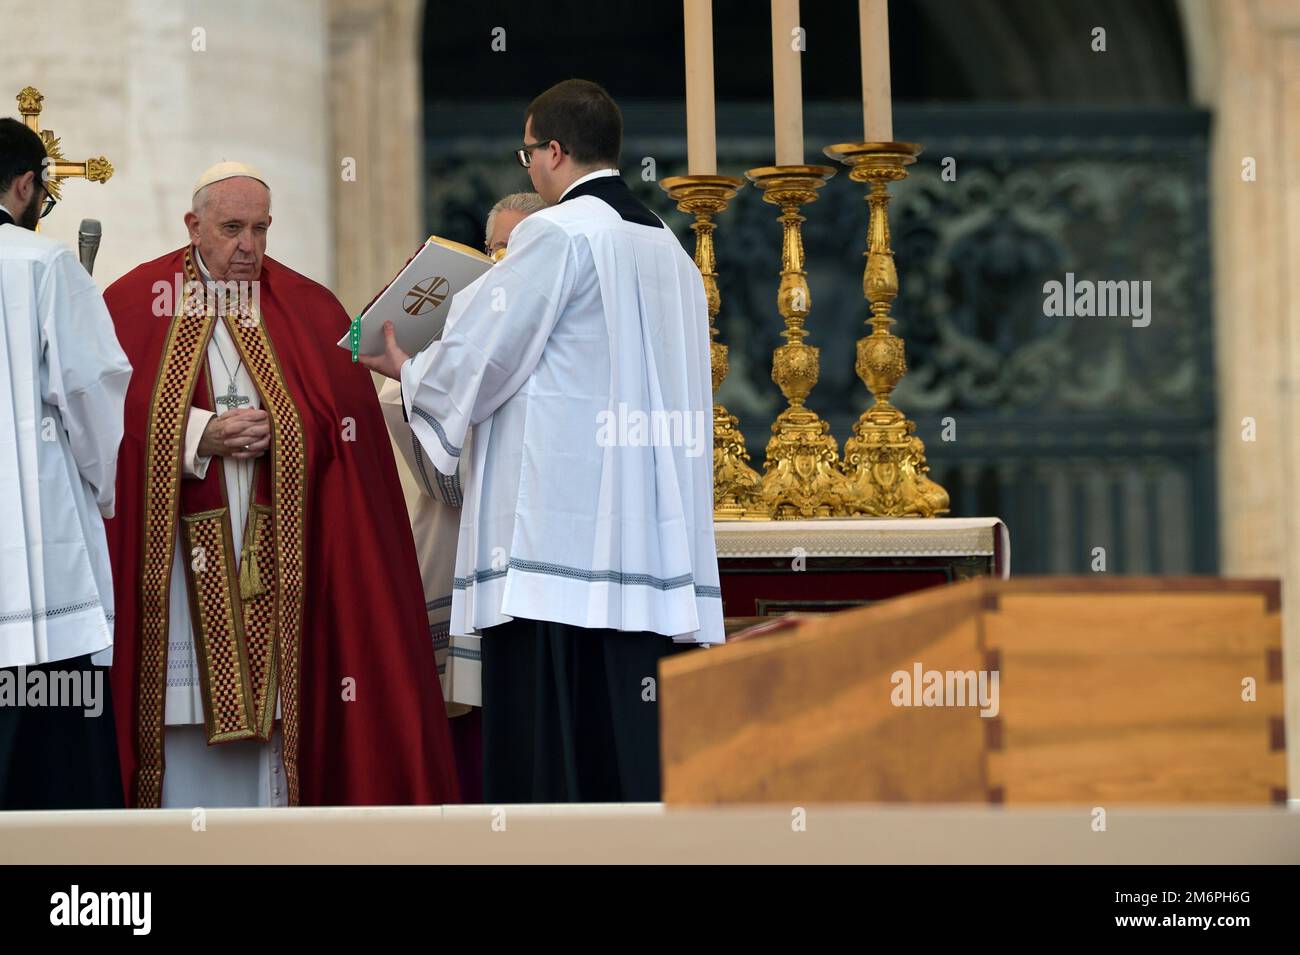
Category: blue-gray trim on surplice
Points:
column 441, row 633
column 591, row 576
column 450, row 491
column 437, row 429
column 46, row 613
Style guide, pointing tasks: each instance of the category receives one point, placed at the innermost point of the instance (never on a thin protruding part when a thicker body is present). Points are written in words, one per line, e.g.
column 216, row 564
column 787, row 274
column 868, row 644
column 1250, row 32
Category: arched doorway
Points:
column 1081, row 433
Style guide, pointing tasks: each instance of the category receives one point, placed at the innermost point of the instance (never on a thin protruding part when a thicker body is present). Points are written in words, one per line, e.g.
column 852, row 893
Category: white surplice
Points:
column 62, row 392
column 435, row 524
column 245, row 773
column 589, row 321
column 434, row 511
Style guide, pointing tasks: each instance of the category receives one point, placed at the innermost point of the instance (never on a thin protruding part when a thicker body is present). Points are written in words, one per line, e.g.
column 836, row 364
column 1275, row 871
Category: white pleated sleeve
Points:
column 88, row 372
column 494, row 347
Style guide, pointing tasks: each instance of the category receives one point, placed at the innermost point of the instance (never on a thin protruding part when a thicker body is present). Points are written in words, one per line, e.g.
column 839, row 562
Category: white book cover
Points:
column 417, row 301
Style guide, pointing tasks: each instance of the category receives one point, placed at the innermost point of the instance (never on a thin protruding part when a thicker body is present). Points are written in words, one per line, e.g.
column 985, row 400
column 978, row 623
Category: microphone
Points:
column 88, row 236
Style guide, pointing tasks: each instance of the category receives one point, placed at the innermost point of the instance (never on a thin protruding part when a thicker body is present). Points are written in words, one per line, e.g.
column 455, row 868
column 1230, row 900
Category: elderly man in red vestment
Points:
column 271, row 641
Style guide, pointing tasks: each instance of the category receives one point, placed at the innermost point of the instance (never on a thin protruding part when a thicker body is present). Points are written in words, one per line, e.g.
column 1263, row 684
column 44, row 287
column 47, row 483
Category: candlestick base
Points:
column 735, row 483
column 884, row 462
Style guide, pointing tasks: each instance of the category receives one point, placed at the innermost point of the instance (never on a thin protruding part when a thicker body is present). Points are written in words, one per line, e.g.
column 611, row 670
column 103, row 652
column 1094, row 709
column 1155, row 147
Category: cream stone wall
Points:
column 164, row 90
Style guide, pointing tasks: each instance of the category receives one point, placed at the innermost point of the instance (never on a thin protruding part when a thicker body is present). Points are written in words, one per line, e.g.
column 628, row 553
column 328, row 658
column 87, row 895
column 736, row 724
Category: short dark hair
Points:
column 582, row 117
column 21, row 150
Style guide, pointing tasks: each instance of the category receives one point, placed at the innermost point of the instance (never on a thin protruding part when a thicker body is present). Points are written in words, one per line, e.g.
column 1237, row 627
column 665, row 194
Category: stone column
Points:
column 376, row 105
column 1255, row 67
column 164, row 90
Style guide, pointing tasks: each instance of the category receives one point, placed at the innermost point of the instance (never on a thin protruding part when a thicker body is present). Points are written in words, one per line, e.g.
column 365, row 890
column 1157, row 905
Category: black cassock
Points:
column 568, row 715
column 58, row 757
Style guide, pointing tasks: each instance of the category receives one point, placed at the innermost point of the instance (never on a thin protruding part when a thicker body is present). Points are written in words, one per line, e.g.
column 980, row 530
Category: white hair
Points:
column 525, row 202
column 201, row 197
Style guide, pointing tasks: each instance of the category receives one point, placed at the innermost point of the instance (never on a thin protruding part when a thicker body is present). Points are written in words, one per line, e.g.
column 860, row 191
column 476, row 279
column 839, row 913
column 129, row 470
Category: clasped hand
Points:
column 242, row 433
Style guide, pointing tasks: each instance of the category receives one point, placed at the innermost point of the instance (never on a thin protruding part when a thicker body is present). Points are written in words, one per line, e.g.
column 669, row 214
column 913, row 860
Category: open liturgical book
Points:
column 417, row 301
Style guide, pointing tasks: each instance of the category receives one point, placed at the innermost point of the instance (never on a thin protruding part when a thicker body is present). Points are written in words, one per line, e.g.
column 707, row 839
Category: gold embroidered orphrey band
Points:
column 247, row 620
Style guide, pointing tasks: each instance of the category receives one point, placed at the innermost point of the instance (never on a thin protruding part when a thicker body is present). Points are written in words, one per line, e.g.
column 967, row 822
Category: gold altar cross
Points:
column 96, row 169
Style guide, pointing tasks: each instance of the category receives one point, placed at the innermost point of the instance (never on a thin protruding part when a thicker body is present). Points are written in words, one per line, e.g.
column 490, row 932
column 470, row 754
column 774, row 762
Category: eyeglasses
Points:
column 50, row 201
column 525, row 153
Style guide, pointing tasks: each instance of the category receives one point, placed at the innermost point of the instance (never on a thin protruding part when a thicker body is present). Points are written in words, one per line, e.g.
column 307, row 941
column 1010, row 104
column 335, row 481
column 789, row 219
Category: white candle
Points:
column 701, row 131
column 787, row 83
column 877, row 111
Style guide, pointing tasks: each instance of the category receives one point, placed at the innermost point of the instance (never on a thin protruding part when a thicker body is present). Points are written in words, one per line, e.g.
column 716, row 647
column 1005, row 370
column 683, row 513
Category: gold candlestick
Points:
column 884, row 461
column 735, row 483
column 802, row 476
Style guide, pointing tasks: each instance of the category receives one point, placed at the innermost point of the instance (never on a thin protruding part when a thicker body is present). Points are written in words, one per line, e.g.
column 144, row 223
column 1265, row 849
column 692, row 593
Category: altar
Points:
column 769, row 568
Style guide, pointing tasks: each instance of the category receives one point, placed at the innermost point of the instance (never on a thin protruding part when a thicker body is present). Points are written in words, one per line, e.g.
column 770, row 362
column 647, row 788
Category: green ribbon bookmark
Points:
column 354, row 337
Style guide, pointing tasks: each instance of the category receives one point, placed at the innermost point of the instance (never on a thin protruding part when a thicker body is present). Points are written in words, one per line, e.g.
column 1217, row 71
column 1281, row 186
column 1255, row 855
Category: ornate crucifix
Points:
column 96, row 169
column 232, row 399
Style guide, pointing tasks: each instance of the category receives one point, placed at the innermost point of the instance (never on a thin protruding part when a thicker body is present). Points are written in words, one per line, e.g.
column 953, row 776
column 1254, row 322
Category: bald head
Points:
column 228, row 224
